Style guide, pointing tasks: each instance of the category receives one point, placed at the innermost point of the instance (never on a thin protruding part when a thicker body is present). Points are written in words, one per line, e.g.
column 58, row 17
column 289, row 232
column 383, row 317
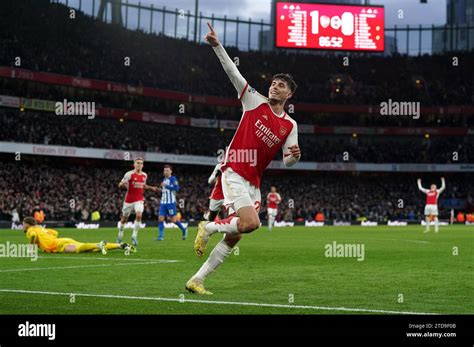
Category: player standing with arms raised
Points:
column 263, row 131
column 135, row 183
column 273, row 200
column 431, row 208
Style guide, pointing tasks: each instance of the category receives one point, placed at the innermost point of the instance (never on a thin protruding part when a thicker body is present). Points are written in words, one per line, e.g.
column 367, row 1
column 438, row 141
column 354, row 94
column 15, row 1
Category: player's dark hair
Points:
column 139, row 158
column 30, row 221
column 167, row 167
column 288, row 79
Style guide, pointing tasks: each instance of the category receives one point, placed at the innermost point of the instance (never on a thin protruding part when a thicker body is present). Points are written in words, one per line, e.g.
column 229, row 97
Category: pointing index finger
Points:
column 210, row 27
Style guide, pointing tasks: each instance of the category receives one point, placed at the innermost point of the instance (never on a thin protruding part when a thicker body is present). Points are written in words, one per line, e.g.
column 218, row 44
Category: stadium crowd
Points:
column 129, row 102
column 87, row 47
column 44, row 128
column 46, row 39
column 71, row 190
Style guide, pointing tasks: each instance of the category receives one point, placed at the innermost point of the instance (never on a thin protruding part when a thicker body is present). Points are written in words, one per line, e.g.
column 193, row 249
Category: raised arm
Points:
column 443, row 186
column 231, row 70
column 420, row 187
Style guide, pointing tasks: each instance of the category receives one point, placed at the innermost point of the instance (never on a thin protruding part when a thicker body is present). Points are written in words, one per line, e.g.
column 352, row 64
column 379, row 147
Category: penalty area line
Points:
column 108, row 258
column 235, row 303
column 80, row 266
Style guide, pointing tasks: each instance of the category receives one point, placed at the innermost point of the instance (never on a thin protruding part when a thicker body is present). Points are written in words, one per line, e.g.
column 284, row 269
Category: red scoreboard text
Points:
column 338, row 27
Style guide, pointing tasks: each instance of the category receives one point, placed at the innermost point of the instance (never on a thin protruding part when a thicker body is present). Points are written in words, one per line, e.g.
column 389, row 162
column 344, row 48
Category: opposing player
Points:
column 264, row 129
column 169, row 187
column 273, row 200
column 48, row 241
column 431, row 208
column 216, row 199
column 135, row 183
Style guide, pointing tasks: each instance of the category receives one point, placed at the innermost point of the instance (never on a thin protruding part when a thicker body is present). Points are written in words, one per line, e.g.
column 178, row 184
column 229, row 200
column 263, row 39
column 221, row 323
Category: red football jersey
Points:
column 273, row 199
column 260, row 135
column 432, row 197
column 135, row 186
column 217, row 193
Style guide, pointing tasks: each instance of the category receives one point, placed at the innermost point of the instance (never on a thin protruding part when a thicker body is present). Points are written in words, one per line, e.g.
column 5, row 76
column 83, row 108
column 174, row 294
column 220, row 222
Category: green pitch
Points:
column 280, row 272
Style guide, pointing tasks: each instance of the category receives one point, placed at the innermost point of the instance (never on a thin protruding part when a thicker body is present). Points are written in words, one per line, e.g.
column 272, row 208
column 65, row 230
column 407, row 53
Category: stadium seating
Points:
column 44, row 128
column 50, row 184
column 87, row 47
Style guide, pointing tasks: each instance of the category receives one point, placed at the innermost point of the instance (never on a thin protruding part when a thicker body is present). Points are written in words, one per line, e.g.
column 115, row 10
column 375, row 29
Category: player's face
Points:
column 273, row 190
column 25, row 226
column 279, row 91
column 138, row 164
column 167, row 172
column 433, row 187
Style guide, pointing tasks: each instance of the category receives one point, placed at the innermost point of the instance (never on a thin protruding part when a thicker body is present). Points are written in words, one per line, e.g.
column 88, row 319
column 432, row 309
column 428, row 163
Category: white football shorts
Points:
column 238, row 192
column 431, row 210
column 129, row 207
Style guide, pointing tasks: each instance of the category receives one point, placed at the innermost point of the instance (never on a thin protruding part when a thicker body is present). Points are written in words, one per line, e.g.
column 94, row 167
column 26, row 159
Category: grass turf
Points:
column 269, row 268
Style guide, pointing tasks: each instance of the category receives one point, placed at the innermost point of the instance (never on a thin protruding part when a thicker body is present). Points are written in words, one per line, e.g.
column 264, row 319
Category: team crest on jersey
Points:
column 282, row 131
column 265, row 117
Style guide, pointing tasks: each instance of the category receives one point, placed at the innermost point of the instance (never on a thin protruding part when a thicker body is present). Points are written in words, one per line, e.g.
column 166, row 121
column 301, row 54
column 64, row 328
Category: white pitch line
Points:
column 236, row 303
column 107, row 258
column 416, row 241
column 80, row 266
column 405, row 240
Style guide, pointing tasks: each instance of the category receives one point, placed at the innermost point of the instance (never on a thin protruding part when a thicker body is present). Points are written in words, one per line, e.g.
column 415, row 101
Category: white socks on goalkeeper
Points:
column 120, row 232
column 226, row 226
column 220, row 252
column 271, row 221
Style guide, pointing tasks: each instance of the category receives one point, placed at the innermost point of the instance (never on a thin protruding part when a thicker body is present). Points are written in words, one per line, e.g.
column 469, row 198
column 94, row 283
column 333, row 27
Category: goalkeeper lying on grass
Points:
column 48, row 241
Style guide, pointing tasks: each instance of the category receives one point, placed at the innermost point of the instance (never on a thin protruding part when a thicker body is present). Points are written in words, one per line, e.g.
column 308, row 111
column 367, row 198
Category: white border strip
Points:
column 236, row 303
